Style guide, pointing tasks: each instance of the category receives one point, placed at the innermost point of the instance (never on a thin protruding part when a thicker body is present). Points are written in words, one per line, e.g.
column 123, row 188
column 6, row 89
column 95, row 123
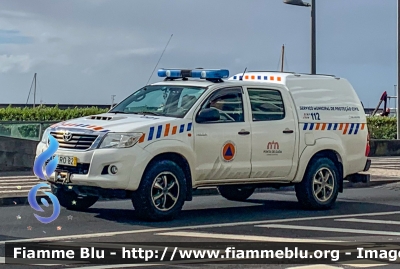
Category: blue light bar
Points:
column 196, row 73
column 170, row 73
column 216, row 73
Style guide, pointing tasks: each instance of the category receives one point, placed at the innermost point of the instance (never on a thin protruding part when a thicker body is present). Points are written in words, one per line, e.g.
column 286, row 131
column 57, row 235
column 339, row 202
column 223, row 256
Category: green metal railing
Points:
column 31, row 130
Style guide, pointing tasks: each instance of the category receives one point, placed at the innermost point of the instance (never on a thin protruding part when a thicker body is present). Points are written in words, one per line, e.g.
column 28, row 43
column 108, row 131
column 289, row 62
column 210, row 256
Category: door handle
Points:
column 243, row 132
column 287, row 131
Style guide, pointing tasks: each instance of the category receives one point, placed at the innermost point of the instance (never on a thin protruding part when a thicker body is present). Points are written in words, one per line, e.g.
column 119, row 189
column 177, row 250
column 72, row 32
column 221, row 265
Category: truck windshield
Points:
column 169, row 101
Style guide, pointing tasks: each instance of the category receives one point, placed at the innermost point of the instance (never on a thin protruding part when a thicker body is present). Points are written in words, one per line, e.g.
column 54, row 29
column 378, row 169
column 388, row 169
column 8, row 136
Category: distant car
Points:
column 197, row 129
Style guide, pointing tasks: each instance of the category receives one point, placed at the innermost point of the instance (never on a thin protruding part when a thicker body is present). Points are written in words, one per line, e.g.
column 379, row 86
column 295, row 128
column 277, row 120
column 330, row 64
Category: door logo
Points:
column 228, row 151
column 272, row 148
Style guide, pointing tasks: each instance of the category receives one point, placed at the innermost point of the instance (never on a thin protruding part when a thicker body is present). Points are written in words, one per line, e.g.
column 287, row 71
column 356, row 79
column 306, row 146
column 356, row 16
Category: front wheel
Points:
column 161, row 193
column 235, row 193
column 319, row 187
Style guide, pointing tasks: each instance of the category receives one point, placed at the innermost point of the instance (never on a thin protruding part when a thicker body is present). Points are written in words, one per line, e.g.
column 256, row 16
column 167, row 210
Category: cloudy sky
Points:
column 84, row 51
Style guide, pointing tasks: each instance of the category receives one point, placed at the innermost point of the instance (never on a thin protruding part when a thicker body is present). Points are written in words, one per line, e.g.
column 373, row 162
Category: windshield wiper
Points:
column 150, row 113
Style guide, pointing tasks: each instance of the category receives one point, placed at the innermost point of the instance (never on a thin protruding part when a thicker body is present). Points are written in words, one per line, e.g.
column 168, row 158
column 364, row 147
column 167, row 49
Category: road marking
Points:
column 20, row 180
column 327, row 229
column 316, row 266
column 24, row 191
column 218, row 225
column 247, row 237
column 370, row 221
column 174, row 263
column 365, row 265
column 118, row 266
column 17, row 177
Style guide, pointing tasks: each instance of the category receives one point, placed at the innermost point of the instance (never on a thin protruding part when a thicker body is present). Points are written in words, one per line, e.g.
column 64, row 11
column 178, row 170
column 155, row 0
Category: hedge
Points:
column 379, row 127
column 41, row 114
column 382, row 127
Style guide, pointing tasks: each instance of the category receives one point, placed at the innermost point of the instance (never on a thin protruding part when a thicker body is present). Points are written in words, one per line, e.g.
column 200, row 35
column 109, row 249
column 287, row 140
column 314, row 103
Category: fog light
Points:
column 113, row 169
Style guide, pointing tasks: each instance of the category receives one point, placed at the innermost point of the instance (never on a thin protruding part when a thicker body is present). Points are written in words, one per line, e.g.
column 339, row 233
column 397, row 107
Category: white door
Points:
column 223, row 147
column 273, row 133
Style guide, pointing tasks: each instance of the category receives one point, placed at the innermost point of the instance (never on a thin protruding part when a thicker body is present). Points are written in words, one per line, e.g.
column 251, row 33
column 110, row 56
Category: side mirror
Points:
column 208, row 114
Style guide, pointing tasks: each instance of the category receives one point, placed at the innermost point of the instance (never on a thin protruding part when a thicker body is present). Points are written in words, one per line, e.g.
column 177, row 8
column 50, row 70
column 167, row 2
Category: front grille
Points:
column 80, row 168
column 78, row 141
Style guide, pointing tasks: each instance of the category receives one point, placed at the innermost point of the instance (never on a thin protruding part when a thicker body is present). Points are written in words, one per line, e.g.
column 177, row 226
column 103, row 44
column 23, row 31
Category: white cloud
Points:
column 15, row 63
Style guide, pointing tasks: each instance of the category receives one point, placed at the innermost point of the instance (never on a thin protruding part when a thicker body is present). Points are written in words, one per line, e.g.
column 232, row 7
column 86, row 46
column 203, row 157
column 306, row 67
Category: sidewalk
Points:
column 14, row 186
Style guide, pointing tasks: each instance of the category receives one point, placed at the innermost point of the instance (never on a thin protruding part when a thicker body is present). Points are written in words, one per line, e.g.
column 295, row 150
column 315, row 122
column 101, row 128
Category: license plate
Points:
column 67, row 160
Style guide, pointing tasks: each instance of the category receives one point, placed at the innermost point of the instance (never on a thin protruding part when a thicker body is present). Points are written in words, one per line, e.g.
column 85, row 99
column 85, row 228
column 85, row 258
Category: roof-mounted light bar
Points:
column 195, row 73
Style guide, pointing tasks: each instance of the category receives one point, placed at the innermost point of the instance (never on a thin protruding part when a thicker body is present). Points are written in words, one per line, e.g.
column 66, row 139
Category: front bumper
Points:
column 92, row 168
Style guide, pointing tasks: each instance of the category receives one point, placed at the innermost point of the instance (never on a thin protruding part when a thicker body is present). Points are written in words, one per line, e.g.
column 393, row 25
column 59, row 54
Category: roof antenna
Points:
column 241, row 78
column 159, row 59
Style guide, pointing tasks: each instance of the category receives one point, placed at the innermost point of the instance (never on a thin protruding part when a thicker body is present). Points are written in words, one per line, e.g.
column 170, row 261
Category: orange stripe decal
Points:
column 174, row 130
column 362, row 126
column 341, row 126
column 167, row 129
column 317, row 126
column 346, row 128
column 279, row 78
column 323, row 126
column 98, row 128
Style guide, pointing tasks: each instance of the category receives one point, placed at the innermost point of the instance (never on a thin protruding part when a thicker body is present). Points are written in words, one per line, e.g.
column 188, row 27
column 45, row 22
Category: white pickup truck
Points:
column 202, row 128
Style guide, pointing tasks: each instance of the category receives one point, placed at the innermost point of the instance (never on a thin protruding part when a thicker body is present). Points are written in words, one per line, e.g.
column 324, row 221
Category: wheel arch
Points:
column 335, row 157
column 323, row 147
column 182, row 162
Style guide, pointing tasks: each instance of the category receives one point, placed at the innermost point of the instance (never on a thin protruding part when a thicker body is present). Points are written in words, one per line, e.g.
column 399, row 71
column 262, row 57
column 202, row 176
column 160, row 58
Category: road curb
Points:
column 8, row 201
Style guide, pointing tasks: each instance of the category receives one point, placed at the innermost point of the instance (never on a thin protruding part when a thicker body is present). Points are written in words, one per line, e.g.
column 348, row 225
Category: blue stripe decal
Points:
column 351, row 128
column 305, row 126
column 104, row 131
column 357, row 126
column 311, row 126
column 159, row 131
column 189, row 127
column 151, row 133
column 335, row 128
column 329, row 126
column 182, row 128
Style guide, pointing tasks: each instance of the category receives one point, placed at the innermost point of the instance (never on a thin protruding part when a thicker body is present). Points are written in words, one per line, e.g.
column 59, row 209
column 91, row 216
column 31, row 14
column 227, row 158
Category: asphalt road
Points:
column 360, row 215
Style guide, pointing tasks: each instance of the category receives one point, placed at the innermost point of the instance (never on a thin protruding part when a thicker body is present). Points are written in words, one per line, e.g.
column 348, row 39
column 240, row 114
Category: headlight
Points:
column 120, row 140
column 45, row 135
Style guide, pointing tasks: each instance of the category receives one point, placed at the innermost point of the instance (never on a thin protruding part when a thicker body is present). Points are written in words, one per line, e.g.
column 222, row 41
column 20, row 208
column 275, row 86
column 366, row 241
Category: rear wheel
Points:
column 319, row 187
column 73, row 201
column 161, row 193
column 236, row 193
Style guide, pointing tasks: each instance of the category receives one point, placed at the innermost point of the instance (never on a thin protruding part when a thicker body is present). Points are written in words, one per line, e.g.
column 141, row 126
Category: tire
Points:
column 159, row 173
column 72, row 201
column 235, row 193
column 307, row 191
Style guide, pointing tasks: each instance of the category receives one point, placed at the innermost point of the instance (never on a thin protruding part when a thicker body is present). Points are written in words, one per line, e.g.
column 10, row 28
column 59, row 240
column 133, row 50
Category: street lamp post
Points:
column 313, row 30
